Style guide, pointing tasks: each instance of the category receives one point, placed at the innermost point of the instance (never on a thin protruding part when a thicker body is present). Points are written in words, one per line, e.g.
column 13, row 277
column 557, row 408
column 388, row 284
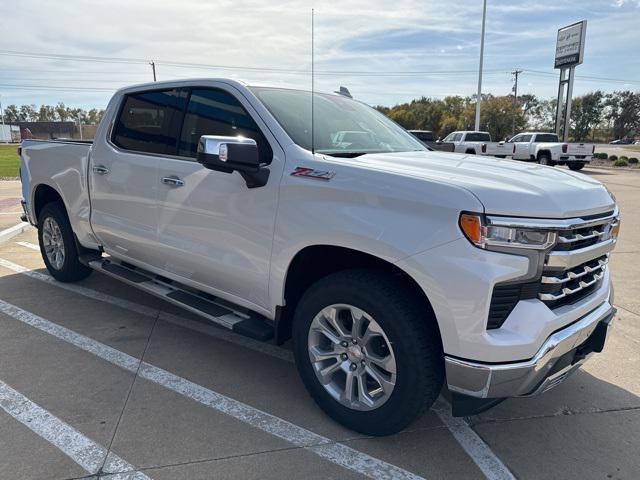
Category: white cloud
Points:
column 351, row 35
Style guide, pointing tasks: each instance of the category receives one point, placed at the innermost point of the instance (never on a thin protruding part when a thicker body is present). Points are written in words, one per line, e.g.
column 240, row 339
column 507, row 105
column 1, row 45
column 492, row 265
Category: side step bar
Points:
column 237, row 319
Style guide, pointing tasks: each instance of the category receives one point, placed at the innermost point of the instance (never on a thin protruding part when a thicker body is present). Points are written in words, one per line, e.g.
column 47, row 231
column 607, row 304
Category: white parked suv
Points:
column 394, row 269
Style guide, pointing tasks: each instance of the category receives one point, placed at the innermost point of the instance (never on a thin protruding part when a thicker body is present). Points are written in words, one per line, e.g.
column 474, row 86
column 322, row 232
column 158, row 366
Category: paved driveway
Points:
column 97, row 379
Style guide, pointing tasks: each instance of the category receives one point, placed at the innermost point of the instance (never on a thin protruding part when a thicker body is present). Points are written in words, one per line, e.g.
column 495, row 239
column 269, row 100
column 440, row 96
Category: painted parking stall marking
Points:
column 481, row 454
column 337, row 453
column 79, row 448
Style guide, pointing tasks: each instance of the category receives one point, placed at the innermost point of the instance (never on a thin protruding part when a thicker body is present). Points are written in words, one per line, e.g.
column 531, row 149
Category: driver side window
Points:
column 216, row 112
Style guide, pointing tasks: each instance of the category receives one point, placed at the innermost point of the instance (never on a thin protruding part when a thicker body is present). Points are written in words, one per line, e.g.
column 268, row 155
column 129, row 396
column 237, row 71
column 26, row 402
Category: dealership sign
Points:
column 570, row 45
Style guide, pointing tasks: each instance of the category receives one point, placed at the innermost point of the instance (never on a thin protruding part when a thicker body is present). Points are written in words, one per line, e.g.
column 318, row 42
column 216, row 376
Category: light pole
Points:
column 479, row 98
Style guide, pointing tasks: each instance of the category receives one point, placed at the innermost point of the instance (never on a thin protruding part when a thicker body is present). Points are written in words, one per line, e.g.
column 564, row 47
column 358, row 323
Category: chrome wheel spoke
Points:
column 331, row 316
column 385, row 384
column 350, row 383
column 326, row 374
column 387, row 363
column 318, row 355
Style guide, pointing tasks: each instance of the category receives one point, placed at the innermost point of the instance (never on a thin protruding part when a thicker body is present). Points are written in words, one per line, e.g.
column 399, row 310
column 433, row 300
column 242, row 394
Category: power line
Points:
column 171, row 63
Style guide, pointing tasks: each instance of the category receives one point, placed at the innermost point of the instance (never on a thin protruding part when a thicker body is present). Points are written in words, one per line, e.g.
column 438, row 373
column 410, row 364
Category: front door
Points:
column 217, row 233
column 522, row 143
column 123, row 173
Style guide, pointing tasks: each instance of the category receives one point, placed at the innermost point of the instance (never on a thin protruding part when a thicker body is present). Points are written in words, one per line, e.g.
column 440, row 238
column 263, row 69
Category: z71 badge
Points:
column 312, row 173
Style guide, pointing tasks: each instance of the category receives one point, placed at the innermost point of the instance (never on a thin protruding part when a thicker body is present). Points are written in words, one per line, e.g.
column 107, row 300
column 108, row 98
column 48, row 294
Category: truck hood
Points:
column 504, row 187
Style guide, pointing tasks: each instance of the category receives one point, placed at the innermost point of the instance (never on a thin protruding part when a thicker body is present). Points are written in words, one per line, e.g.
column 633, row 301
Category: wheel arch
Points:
column 43, row 194
column 317, row 261
column 543, row 152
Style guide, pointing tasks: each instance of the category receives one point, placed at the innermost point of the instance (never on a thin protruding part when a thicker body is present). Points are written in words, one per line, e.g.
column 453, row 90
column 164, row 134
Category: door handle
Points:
column 100, row 170
column 173, row 181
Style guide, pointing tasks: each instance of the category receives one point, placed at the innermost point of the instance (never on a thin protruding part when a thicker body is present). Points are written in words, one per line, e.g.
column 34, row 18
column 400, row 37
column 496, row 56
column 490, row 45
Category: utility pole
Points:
column 80, row 125
column 153, row 68
column 515, row 73
column 3, row 127
column 479, row 98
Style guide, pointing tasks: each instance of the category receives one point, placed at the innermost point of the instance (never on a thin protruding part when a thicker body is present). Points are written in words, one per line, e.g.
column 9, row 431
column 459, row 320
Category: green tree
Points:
column 586, row 113
column 623, row 111
column 11, row 114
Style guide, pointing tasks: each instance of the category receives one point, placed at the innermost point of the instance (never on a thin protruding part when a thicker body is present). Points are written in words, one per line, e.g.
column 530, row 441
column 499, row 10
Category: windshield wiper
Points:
column 346, row 154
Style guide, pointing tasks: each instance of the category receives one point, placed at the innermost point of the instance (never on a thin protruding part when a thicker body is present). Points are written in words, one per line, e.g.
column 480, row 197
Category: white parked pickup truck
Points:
column 478, row 143
column 546, row 149
column 392, row 268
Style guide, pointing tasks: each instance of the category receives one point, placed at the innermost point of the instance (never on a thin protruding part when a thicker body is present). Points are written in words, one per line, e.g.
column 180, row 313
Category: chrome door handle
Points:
column 173, row 181
column 100, row 170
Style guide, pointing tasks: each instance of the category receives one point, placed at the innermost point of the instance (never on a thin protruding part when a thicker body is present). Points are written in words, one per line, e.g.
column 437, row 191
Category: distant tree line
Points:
column 51, row 113
column 595, row 116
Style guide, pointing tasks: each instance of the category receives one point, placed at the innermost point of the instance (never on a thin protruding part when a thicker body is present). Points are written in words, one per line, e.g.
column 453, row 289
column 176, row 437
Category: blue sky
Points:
column 385, row 52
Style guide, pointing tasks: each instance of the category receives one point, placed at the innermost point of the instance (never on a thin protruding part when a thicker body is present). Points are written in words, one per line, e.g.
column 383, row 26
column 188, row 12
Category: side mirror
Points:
column 229, row 154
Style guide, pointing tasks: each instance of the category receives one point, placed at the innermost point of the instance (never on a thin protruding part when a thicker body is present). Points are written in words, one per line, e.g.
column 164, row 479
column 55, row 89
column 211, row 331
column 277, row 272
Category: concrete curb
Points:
column 9, row 233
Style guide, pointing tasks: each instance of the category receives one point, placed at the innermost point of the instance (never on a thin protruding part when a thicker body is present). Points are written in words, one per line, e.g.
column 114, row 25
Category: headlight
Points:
column 484, row 235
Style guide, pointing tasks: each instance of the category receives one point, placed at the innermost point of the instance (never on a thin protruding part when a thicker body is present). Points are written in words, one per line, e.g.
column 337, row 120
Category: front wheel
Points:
column 575, row 166
column 58, row 246
column 368, row 351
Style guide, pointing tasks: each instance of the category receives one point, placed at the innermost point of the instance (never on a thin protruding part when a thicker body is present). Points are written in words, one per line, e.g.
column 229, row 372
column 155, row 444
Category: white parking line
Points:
column 9, row 233
column 473, row 445
column 79, row 448
column 202, row 327
column 470, row 441
column 337, row 453
column 30, row 245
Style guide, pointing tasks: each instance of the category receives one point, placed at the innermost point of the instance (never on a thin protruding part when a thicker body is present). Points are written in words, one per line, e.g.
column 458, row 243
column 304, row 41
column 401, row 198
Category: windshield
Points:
column 342, row 126
column 546, row 137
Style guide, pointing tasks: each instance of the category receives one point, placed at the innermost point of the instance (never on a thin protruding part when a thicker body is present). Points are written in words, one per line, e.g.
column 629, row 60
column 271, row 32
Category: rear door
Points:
column 522, row 143
column 216, row 233
column 123, row 173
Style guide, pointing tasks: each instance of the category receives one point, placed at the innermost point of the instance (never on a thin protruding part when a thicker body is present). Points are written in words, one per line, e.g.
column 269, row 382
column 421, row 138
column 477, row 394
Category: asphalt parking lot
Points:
column 99, row 380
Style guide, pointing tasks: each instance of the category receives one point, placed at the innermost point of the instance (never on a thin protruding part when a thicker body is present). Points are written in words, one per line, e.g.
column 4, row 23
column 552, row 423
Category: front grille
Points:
column 581, row 237
column 564, row 281
column 564, row 287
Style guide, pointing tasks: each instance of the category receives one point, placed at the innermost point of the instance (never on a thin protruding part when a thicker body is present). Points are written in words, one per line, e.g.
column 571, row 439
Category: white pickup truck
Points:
column 392, row 268
column 546, row 149
column 478, row 143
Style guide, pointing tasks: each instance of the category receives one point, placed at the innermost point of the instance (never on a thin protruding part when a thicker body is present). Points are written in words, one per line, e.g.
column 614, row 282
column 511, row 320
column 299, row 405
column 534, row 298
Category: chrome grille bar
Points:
column 578, row 237
column 568, row 291
column 602, row 264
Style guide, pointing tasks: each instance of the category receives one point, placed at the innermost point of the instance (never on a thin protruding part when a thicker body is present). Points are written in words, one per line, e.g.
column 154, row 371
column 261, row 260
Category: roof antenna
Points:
column 313, row 144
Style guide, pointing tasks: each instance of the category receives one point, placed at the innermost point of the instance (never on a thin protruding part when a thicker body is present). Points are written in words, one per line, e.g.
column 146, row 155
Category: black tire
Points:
column 411, row 329
column 470, row 152
column 545, row 159
column 71, row 269
column 575, row 166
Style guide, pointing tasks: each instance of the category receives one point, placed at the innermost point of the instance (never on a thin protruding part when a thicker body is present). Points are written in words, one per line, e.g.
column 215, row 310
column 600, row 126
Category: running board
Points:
column 226, row 315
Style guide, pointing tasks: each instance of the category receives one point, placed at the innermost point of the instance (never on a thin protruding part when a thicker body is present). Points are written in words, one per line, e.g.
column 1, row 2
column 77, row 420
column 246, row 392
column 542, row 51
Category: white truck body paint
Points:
column 531, row 145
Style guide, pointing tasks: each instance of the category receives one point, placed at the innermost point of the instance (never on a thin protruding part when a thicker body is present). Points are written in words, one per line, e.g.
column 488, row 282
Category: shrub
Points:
column 604, row 156
column 633, row 161
column 613, row 157
column 621, row 163
column 624, row 157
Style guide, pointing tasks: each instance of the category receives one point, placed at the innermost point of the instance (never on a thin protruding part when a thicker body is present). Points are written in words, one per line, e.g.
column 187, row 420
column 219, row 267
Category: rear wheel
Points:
column 575, row 166
column 368, row 352
column 58, row 246
column 545, row 159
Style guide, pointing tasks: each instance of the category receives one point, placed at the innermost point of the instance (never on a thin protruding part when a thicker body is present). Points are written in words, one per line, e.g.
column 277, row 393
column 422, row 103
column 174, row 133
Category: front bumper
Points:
column 560, row 355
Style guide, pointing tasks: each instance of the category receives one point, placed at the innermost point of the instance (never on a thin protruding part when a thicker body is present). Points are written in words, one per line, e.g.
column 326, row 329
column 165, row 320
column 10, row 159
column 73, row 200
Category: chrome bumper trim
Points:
column 529, row 377
column 573, row 258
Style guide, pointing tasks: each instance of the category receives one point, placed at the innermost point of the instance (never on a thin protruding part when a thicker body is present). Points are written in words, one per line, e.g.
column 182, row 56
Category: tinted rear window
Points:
column 424, row 136
column 149, row 121
column 546, row 137
column 478, row 137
